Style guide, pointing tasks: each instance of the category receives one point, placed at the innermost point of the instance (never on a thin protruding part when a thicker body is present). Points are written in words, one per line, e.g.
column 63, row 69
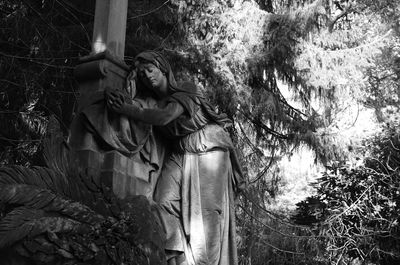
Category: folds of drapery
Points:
column 208, row 208
column 117, row 132
column 212, row 137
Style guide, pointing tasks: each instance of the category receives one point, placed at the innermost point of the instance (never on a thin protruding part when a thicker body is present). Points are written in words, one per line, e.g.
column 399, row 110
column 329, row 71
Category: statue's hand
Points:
column 119, row 107
column 115, row 100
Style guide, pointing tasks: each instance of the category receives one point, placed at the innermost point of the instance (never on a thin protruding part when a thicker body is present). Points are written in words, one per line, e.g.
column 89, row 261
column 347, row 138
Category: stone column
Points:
column 110, row 27
column 105, row 67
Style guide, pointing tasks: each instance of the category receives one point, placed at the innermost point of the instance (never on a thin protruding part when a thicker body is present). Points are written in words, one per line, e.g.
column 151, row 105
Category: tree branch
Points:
column 349, row 8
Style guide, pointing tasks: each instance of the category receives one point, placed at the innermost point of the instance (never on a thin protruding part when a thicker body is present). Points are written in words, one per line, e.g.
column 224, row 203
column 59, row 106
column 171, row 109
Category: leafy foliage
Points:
column 356, row 209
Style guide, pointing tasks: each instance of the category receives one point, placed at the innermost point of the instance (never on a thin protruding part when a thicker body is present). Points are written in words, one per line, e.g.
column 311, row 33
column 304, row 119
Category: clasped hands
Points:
column 116, row 101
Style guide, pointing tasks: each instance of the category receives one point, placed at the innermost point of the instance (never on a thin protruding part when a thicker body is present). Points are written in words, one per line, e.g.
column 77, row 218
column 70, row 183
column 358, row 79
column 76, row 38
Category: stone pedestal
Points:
column 122, row 174
column 126, row 175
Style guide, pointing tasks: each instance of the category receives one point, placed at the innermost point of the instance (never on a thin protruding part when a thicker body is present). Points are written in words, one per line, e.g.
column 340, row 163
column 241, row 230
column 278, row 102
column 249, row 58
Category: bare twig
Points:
column 151, row 11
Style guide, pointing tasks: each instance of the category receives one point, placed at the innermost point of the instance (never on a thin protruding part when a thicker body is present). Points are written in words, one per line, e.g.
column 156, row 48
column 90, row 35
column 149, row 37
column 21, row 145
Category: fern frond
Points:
column 56, row 151
column 23, row 222
column 37, row 198
column 38, row 176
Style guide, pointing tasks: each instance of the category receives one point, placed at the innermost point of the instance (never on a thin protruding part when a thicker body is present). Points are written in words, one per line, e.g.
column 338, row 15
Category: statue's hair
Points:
column 144, row 61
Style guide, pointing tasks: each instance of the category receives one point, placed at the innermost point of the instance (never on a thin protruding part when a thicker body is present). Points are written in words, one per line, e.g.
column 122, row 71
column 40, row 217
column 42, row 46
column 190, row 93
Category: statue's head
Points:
column 154, row 71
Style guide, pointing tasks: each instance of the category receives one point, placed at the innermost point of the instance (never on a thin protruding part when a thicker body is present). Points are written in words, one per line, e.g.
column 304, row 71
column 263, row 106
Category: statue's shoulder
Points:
column 189, row 87
column 189, row 95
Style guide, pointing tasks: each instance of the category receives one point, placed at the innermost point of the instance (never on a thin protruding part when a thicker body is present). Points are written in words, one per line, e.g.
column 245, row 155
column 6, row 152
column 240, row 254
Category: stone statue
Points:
column 201, row 173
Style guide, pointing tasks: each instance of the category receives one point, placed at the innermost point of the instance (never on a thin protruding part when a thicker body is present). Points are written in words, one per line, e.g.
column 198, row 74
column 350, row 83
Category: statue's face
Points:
column 153, row 78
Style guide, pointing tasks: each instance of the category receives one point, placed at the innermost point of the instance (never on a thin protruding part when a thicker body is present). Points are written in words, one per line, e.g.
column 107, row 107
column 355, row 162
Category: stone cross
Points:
column 110, row 27
column 105, row 67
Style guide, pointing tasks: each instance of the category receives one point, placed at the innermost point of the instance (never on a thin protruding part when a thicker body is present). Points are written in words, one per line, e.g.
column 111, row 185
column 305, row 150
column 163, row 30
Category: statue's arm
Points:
column 157, row 116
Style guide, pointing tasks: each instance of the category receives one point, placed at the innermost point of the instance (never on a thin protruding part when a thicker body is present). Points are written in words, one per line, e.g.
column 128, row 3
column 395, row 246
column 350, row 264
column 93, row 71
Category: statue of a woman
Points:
column 201, row 173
